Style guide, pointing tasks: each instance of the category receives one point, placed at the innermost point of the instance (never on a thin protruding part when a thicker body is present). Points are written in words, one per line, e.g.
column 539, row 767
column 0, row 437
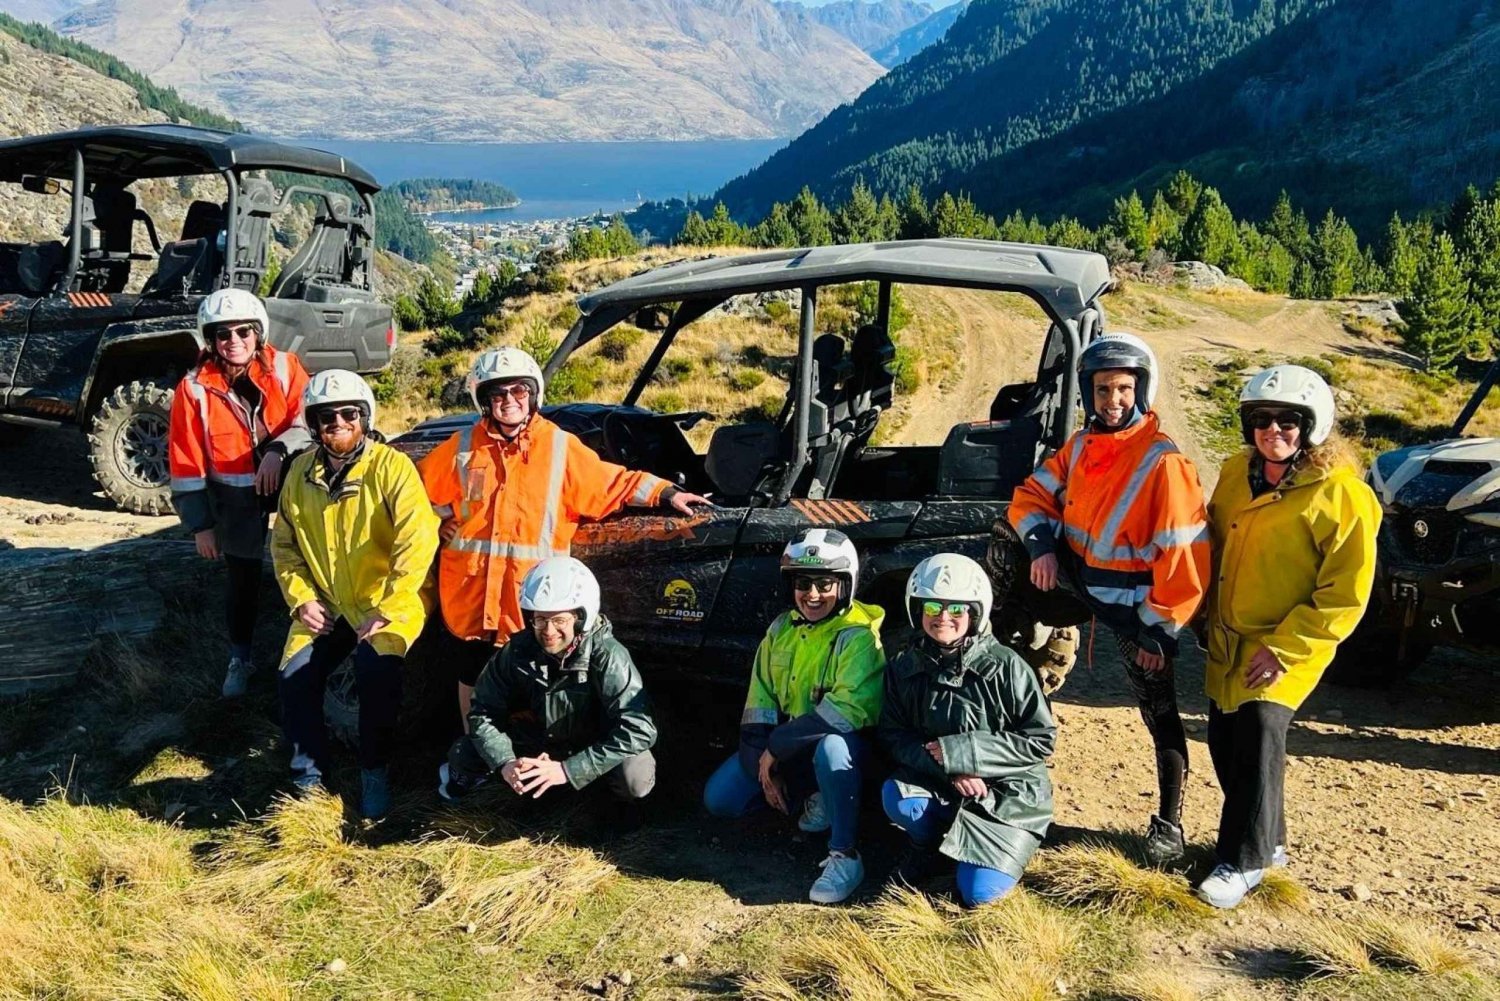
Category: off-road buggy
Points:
column 95, row 328
column 1438, row 575
column 695, row 594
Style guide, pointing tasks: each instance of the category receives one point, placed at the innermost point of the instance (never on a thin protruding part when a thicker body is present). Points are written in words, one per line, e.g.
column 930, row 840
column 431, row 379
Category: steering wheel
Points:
column 622, row 441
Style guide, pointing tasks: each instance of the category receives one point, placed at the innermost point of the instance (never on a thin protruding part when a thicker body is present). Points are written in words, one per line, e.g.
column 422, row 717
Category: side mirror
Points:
column 40, row 185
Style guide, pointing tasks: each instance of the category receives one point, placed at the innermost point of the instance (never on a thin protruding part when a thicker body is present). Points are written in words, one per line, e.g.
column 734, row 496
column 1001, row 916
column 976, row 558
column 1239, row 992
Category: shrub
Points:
column 668, row 402
column 616, row 344
column 746, row 379
column 406, row 313
column 672, row 371
column 904, row 368
column 446, row 339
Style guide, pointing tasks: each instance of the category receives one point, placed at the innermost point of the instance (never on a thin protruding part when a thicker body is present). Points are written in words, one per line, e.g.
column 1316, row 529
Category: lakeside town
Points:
column 481, row 246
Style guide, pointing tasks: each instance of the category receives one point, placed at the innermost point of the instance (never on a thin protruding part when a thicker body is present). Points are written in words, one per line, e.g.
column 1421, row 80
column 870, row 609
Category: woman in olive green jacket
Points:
column 965, row 719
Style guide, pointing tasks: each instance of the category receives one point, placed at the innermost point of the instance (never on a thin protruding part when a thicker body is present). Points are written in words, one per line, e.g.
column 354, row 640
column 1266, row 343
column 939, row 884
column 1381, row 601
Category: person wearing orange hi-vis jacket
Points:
column 1119, row 512
column 511, row 490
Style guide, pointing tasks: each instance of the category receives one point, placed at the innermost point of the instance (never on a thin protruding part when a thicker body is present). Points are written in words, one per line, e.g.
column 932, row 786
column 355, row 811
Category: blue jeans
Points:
column 926, row 820
column 835, row 769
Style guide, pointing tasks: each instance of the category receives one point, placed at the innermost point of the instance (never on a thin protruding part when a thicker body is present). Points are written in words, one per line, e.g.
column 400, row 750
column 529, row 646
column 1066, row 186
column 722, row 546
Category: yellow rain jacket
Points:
column 1292, row 572
column 363, row 549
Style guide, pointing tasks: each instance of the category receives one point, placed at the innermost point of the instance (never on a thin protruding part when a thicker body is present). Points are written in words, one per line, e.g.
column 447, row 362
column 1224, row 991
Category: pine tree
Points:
column 1335, row 258
column 1069, row 232
column 775, row 230
column 1437, row 313
column 1479, row 254
column 813, row 223
column 1165, row 224
column 958, row 217
column 858, row 219
column 694, row 232
column 916, row 218
column 1130, row 223
column 1403, row 255
column 1209, row 233
column 1182, row 193
column 1289, row 227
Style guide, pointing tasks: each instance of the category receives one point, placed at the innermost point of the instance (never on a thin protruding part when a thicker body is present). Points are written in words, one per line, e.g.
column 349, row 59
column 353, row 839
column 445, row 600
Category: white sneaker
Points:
column 813, row 819
column 1279, row 858
column 1227, row 885
column 842, row 874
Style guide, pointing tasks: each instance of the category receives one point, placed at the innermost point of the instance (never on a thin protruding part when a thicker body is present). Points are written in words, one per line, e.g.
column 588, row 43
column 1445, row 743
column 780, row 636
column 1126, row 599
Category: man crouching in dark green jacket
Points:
column 561, row 703
column 965, row 719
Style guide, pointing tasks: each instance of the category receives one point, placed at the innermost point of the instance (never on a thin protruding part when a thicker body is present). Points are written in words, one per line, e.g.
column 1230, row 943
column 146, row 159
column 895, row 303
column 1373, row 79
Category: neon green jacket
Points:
column 811, row 679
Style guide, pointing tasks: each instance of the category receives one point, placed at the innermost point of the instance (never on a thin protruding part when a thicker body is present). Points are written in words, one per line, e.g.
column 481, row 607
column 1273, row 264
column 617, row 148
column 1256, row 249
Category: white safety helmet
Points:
column 820, row 551
column 231, row 305
column 333, row 386
column 950, row 577
column 1296, row 388
column 504, row 365
column 1119, row 350
column 562, row 584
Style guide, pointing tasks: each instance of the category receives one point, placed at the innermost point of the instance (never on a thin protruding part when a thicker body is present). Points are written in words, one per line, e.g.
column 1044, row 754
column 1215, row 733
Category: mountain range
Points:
column 490, row 70
column 869, row 24
column 1058, row 106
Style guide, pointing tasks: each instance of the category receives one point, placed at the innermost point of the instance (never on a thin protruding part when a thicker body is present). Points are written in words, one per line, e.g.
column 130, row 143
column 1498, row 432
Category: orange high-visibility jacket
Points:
column 212, row 437
column 1130, row 506
column 517, row 503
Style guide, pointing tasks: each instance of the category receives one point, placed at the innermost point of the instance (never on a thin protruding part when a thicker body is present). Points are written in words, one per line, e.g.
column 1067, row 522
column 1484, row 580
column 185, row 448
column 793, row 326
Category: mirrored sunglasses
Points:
column 957, row 609
column 802, row 582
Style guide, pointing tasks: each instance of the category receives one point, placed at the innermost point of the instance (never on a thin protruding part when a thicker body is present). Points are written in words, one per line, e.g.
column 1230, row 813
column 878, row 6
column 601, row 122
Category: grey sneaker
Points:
column 813, row 819
column 1163, row 841
column 308, row 782
column 1227, row 885
column 375, row 793
column 237, row 677
column 842, row 874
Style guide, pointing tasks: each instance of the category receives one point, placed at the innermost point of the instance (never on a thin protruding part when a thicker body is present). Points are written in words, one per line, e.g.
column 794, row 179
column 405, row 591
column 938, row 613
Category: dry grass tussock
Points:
column 1152, row 984
column 1344, row 948
column 99, row 903
column 1100, row 877
column 906, row 947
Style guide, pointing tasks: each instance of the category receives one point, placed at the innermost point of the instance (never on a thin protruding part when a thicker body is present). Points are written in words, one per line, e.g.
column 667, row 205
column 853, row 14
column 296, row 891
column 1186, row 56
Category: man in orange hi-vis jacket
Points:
column 511, row 489
column 1124, row 509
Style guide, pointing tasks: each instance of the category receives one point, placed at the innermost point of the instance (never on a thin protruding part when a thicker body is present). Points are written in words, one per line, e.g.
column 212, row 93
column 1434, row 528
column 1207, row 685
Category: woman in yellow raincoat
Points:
column 1293, row 529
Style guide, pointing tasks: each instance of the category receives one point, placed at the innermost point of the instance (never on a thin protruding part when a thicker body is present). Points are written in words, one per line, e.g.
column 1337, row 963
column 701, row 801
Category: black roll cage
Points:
column 1077, row 332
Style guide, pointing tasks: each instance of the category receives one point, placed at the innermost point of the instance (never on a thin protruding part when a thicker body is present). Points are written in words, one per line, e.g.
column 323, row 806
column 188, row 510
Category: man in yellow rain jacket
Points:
column 1124, row 508
column 353, row 541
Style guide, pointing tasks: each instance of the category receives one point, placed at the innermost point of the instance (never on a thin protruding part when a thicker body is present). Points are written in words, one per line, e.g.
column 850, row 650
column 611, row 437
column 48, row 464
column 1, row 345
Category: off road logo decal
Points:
column 679, row 603
column 90, row 300
column 831, row 512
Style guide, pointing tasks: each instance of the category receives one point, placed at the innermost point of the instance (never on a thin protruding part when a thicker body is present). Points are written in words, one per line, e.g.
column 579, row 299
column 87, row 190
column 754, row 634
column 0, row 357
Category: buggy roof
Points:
column 1063, row 281
column 126, row 152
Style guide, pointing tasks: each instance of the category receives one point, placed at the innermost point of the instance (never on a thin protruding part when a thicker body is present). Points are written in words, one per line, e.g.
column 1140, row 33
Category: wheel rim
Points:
column 143, row 450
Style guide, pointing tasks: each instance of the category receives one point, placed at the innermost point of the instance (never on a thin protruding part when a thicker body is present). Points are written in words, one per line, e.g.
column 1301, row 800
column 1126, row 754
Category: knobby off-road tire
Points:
column 128, row 447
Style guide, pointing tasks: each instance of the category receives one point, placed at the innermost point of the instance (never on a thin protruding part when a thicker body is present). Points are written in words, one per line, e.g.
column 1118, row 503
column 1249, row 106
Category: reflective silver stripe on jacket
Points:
column 188, row 484
column 754, row 716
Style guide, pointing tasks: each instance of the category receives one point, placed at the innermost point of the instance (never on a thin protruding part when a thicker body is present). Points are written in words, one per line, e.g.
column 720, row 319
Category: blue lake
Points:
column 564, row 180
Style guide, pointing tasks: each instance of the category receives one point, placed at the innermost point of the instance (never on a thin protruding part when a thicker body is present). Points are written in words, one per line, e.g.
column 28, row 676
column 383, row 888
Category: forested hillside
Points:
column 1060, row 105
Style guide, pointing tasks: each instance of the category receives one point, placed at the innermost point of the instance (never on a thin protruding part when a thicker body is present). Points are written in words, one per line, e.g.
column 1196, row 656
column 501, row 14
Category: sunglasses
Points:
column 822, row 585
column 519, row 391
column 329, row 415
column 1260, row 420
column 244, row 331
column 957, row 609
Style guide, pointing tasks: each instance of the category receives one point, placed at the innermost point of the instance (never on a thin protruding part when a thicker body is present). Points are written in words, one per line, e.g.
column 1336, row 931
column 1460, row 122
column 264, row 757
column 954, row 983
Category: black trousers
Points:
column 1248, row 747
column 377, row 679
column 242, row 599
column 1156, row 697
column 466, row 658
